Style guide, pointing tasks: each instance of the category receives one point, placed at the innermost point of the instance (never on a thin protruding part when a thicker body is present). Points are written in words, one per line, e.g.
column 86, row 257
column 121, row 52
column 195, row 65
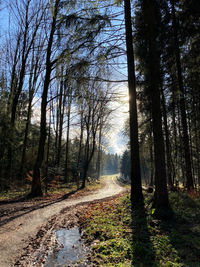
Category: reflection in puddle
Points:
column 72, row 251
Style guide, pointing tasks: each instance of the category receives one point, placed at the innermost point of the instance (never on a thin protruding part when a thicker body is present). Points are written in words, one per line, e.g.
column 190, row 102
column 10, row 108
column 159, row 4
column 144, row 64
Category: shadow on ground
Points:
column 170, row 241
column 16, row 212
column 143, row 251
column 183, row 232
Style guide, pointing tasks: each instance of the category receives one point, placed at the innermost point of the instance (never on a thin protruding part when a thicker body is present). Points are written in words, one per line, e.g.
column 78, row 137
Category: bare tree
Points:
column 29, row 17
column 36, row 189
column 35, row 70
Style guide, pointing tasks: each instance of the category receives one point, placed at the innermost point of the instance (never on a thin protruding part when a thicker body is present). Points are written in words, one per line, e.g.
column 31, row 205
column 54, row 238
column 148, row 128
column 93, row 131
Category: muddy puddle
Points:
column 70, row 251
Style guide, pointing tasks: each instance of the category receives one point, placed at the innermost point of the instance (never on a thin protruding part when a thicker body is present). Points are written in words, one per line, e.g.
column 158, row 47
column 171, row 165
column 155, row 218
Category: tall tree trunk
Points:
column 197, row 142
column 136, row 188
column 161, row 195
column 21, row 170
column 13, row 88
column 67, row 138
column 190, row 122
column 36, row 189
column 61, row 104
column 189, row 178
column 88, row 158
column 181, row 160
column 151, row 155
column 175, row 149
column 80, row 143
column 167, row 142
column 47, row 156
column 35, row 69
column 87, row 148
column 57, row 127
column 99, row 152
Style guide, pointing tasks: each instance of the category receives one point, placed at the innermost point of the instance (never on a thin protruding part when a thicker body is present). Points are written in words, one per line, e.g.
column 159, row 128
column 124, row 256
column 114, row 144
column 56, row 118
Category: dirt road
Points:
column 16, row 232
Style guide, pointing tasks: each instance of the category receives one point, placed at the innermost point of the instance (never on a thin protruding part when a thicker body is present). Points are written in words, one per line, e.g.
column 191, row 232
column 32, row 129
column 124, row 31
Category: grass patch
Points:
column 107, row 230
column 13, row 194
column 116, row 241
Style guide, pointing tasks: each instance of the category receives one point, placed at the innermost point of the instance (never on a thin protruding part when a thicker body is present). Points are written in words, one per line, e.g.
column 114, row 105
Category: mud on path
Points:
column 27, row 231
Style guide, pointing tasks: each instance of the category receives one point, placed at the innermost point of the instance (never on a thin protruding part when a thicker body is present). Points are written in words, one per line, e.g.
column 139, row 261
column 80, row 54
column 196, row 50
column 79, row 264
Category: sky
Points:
column 3, row 18
column 116, row 140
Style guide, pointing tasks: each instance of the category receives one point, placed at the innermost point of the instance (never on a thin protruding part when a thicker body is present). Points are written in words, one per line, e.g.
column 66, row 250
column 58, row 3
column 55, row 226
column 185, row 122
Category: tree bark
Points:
column 35, row 68
column 151, row 155
column 36, row 189
column 167, row 142
column 188, row 166
column 99, row 152
column 175, row 148
column 67, row 136
column 46, row 180
column 61, row 115
column 136, row 188
column 21, row 170
column 80, row 141
column 87, row 148
column 161, row 202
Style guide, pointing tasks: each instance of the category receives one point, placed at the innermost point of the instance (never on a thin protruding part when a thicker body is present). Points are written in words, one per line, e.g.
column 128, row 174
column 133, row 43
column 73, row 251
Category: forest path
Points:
column 15, row 234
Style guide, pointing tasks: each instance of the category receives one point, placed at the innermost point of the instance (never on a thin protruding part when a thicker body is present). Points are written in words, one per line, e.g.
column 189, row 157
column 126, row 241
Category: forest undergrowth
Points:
column 116, row 240
column 53, row 192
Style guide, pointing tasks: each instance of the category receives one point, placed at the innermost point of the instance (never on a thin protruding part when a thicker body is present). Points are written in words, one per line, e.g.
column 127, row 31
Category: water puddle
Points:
column 71, row 251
